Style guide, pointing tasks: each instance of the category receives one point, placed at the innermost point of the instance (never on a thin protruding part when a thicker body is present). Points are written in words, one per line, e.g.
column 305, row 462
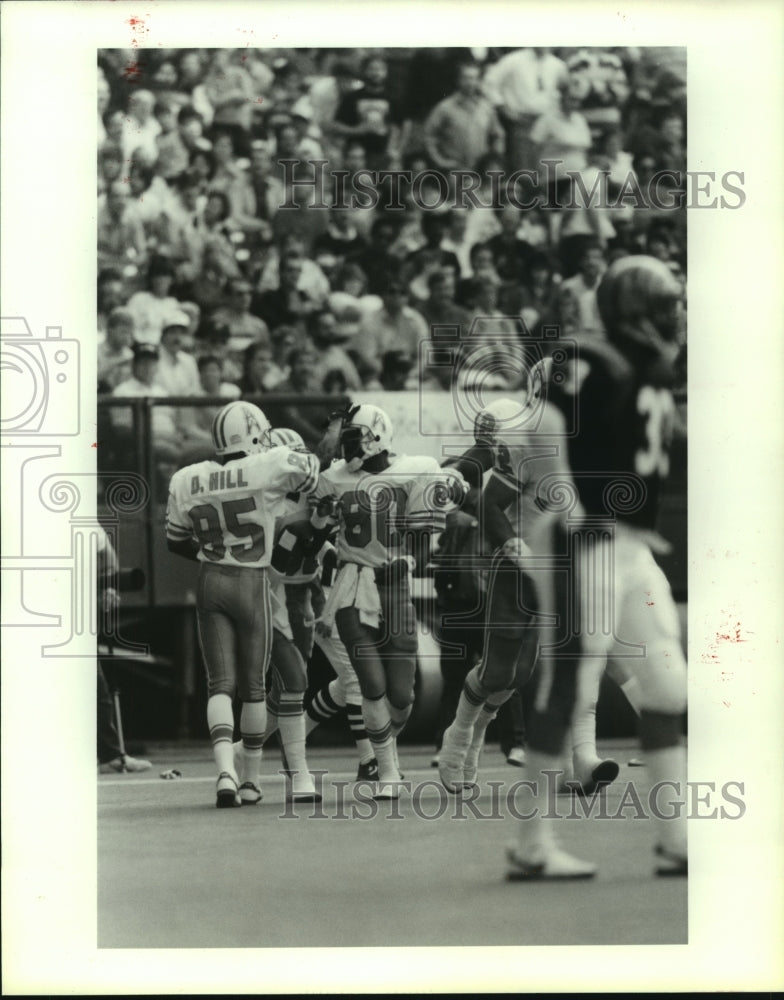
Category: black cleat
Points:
column 368, row 771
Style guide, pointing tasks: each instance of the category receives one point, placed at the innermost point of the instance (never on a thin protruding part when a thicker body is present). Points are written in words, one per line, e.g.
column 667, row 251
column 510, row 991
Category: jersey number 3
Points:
column 209, row 530
column 657, row 406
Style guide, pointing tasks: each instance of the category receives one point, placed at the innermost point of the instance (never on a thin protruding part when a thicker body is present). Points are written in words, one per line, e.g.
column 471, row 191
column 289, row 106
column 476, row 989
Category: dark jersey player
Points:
column 612, row 599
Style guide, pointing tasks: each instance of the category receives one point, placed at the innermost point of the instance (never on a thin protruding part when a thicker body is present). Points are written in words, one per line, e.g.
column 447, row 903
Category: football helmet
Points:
column 366, row 431
column 285, row 436
column 499, row 416
column 640, row 299
column 240, row 428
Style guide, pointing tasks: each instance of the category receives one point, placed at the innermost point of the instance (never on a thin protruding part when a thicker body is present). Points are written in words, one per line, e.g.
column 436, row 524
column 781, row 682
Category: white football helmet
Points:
column 285, row 436
column 499, row 416
column 240, row 428
column 367, row 431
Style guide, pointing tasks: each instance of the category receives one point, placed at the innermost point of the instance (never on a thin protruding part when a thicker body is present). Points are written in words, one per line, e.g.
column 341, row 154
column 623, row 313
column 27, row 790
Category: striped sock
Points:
column 472, row 698
column 253, row 722
column 321, row 708
column 487, row 713
column 220, row 719
column 356, row 723
column 399, row 717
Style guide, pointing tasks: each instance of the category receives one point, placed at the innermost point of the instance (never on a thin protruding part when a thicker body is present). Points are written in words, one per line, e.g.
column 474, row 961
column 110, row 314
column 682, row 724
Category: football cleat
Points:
column 434, row 760
column 387, row 790
column 550, row 863
column 302, row 788
column 227, row 792
column 670, row 864
column 603, row 773
column 636, row 762
column 451, row 761
column 125, row 765
column 516, row 757
column 368, row 771
column 250, row 794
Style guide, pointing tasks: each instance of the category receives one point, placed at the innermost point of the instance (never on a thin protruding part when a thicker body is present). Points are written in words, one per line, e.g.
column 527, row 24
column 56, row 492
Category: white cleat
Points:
column 250, row 793
column 451, row 761
column 303, row 788
column 227, row 794
column 670, row 864
column 545, row 864
column 516, row 757
column 387, row 790
column 471, row 765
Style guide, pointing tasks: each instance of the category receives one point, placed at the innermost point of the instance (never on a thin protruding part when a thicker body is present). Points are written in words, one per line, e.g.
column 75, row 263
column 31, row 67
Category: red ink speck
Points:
column 94, row 444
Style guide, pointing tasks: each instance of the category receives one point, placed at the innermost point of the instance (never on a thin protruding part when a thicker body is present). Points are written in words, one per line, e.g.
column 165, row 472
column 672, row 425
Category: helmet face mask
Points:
column 241, row 428
column 367, row 432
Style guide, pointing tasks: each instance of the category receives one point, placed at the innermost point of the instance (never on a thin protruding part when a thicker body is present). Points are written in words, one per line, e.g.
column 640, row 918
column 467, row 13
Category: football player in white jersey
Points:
column 383, row 503
column 222, row 514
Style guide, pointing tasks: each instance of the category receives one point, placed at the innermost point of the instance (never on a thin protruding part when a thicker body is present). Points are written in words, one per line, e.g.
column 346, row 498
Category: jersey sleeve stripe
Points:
column 509, row 481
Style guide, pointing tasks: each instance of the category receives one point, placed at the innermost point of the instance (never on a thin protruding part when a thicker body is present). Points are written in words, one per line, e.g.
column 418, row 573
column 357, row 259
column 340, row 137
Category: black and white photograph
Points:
column 385, row 568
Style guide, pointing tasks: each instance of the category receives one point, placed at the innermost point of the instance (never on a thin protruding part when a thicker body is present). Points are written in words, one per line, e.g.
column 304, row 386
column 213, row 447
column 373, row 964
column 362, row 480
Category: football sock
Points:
column 356, row 723
column 399, row 717
column 291, row 724
column 535, row 833
column 486, row 715
column 220, row 720
column 253, row 722
column 472, row 698
column 322, row 707
column 665, row 755
column 379, row 730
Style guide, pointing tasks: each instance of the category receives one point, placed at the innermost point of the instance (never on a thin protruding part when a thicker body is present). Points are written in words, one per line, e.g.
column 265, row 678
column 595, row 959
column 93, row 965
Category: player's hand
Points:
column 325, row 511
column 110, row 599
column 516, row 551
column 323, row 629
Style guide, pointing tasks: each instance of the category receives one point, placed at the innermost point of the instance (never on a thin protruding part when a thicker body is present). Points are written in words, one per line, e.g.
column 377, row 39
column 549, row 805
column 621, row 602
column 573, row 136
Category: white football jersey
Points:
column 376, row 509
column 231, row 509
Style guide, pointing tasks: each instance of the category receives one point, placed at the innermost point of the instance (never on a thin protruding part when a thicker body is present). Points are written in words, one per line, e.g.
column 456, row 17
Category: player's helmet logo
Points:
column 242, row 428
column 366, row 432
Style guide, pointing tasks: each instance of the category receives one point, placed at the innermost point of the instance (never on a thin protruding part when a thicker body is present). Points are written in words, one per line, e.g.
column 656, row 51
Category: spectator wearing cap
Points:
column 177, row 370
column 330, row 342
column 167, row 439
column 393, row 326
column 464, row 126
column 152, row 307
column 114, row 354
column 141, row 128
column 244, row 328
column 121, row 240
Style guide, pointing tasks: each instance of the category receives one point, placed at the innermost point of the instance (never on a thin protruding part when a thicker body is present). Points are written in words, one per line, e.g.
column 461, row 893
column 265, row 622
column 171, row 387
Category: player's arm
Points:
column 179, row 533
column 501, row 490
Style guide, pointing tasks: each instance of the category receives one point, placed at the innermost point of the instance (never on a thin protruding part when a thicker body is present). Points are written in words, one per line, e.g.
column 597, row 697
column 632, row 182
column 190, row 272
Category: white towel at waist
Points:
column 354, row 586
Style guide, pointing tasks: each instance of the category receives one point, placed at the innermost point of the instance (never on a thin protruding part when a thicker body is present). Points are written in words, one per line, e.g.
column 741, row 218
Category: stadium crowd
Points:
column 208, row 286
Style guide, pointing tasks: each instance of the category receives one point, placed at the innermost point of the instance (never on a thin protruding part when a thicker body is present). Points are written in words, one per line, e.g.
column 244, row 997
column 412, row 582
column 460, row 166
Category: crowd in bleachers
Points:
column 208, row 286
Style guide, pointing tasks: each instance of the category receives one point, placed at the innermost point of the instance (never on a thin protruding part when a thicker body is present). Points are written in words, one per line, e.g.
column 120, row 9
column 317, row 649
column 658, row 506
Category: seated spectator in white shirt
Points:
column 166, row 437
column 177, row 373
column 578, row 312
column 395, row 326
column 151, row 308
column 141, row 128
column 114, row 353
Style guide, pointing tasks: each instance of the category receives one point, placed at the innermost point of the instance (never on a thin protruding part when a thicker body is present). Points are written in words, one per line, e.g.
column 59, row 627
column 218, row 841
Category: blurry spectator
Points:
column 211, row 379
column 464, row 126
column 152, row 199
column 377, row 261
column 244, row 328
column 176, row 146
column 114, row 125
column 152, row 307
column 286, row 340
column 121, row 241
column 440, row 308
column 312, row 280
column 230, row 178
column 599, row 84
column 266, row 189
column 229, row 90
column 588, row 218
column 334, row 383
column 523, row 85
column 455, row 239
column 167, row 439
column 432, row 256
column 104, row 99
column 510, row 253
column 303, row 381
column 190, row 70
column 141, row 127
column 483, row 262
column 287, row 304
column 578, row 312
column 371, row 115
column 114, row 354
column 329, row 341
column 431, row 76
column 177, row 370
column 341, row 238
column 326, row 92
column 110, row 164
column 562, row 135
column 110, row 294
column 219, row 229
column 618, row 164
column 260, row 373
column 394, row 326
column 395, row 375
column 533, row 299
